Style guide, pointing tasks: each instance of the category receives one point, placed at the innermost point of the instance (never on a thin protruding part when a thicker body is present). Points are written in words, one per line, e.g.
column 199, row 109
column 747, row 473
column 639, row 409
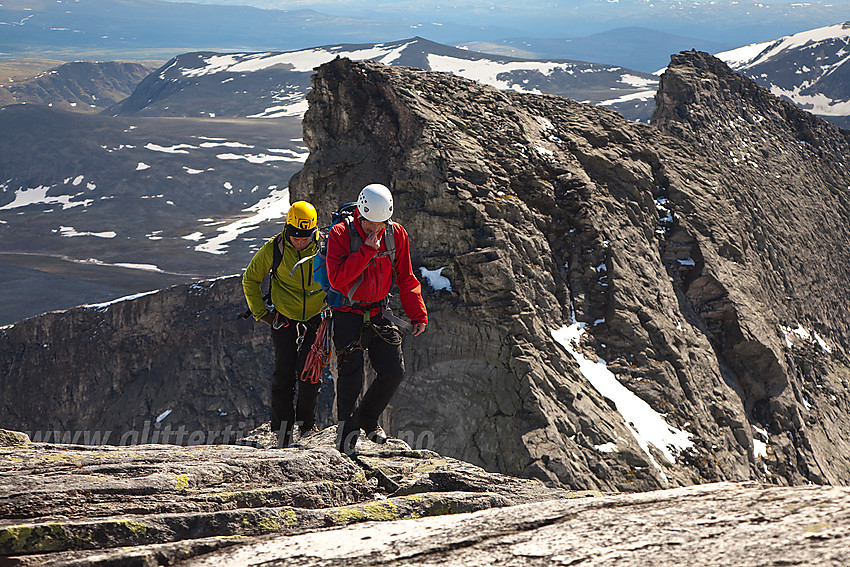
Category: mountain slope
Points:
column 276, row 84
column 642, row 49
column 812, row 69
column 84, row 86
column 90, row 198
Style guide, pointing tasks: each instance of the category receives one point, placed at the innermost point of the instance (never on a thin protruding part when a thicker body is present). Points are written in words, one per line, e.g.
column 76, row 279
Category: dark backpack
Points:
column 277, row 258
column 345, row 214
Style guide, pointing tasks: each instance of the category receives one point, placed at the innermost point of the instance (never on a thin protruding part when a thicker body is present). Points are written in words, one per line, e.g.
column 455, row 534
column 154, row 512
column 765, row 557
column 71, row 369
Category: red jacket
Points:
column 344, row 268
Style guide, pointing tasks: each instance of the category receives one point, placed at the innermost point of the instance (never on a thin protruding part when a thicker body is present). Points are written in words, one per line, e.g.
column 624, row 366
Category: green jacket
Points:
column 294, row 292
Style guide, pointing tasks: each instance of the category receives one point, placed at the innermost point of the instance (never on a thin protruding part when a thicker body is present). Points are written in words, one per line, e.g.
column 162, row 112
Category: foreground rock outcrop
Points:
column 719, row 524
column 238, row 505
column 153, row 504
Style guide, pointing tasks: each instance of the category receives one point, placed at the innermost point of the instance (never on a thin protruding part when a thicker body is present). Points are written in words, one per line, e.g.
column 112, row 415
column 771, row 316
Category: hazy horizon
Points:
column 724, row 20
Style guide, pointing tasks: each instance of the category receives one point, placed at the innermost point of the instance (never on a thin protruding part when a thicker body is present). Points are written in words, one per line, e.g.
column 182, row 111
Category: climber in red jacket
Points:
column 362, row 266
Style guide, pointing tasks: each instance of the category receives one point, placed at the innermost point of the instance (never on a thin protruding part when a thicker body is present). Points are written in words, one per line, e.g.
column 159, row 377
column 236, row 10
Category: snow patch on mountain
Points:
column 487, row 71
column 296, row 108
column 176, row 149
column 641, row 96
column 104, row 306
column 270, row 208
column 638, row 82
column 38, row 196
column 302, row 61
column 225, row 144
column 264, row 158
column 648, row 426
column 737, row 58
column 815, row 103
column 69, row 231
column 751, row 55
column 498, row 73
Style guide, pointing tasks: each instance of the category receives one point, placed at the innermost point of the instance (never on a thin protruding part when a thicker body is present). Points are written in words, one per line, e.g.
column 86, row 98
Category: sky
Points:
column 546, row 18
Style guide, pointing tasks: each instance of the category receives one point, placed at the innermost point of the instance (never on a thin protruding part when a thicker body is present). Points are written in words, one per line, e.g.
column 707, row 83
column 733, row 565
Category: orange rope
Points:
column 319, row 355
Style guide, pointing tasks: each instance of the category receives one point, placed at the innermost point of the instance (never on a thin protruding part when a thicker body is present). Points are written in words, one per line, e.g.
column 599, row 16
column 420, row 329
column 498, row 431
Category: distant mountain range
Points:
column 631, row 33
column 733, row 21
column 811, row 69
column 633, row 47
column 83, row 86
column 152, row 29
column 275, row 84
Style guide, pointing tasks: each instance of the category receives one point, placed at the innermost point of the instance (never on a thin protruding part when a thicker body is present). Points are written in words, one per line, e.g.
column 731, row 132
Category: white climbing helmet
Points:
column 375, row 203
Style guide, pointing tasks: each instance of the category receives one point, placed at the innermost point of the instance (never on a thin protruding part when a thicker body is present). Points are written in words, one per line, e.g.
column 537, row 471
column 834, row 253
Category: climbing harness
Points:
column 388, row 333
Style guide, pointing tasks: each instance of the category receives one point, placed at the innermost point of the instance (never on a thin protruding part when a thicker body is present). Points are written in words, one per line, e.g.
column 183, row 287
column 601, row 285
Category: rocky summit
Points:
column 614, row 306
column 630, row 307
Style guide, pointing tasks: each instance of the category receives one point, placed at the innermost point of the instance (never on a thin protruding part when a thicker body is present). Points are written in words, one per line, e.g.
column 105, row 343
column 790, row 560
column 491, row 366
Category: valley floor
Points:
column 31, row 284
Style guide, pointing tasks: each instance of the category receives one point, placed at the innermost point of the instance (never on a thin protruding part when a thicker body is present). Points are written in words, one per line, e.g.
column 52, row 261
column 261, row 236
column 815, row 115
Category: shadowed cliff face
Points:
column 774, row 233
column 690, row 253
column 704, row 256
column 120, row 372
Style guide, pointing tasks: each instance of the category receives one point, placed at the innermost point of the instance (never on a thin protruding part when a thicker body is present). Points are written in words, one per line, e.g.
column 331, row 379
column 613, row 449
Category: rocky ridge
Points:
column 541, row 211
column 82, row 86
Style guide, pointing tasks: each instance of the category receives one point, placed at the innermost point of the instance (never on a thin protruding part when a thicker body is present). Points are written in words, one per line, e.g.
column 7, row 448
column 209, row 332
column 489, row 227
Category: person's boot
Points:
column 346, row 438
column 283, row 436
column 377, row 435
column 307, row 433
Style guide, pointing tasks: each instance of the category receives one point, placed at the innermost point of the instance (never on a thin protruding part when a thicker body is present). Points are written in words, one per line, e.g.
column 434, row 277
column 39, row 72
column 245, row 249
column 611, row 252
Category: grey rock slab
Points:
column 744, row 524
column 90, row 505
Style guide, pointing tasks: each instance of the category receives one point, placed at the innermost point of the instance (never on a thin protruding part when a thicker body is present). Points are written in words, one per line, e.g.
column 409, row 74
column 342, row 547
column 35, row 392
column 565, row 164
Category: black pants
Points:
column 288, row 364
column 352, row 337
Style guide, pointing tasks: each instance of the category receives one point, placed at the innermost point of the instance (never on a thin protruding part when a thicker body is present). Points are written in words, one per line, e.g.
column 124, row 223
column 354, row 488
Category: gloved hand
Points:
column 269, row 317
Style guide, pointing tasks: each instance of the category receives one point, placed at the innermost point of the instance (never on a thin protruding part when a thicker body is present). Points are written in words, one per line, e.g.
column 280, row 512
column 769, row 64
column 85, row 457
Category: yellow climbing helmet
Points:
column 301, row 219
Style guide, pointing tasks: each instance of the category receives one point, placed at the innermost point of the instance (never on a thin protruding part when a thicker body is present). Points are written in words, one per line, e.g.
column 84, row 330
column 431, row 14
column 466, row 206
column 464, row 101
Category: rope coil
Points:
column 320, row 352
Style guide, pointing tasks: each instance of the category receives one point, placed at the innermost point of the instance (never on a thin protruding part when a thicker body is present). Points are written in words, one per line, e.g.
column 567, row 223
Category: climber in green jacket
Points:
column 294, row 314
